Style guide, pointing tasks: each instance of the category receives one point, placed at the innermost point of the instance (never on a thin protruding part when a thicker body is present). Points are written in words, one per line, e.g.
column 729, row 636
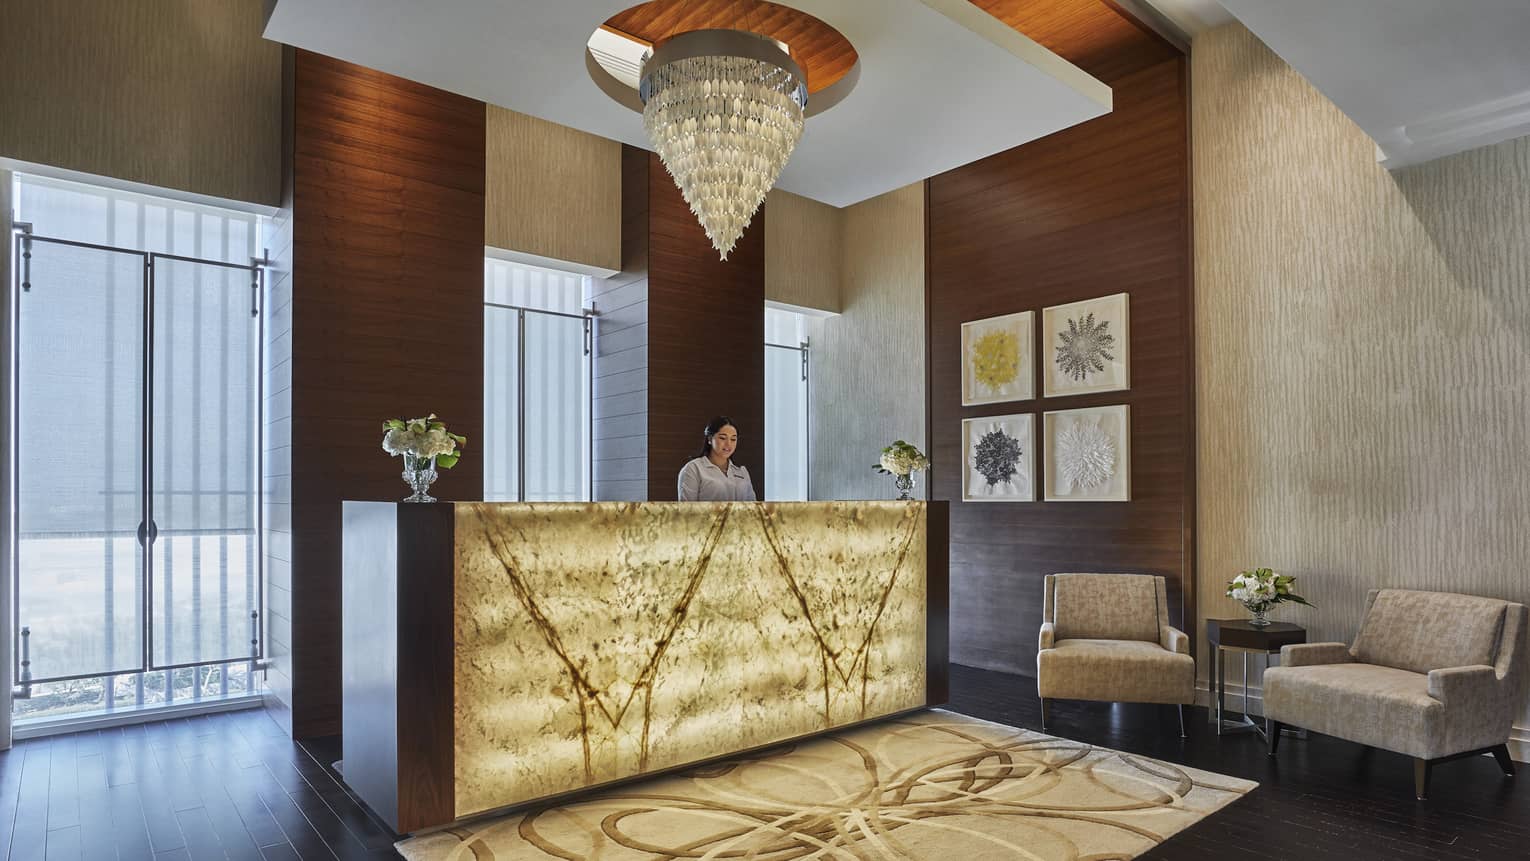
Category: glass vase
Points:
column 419, row 472
column 1257, row 616
column 905, row 485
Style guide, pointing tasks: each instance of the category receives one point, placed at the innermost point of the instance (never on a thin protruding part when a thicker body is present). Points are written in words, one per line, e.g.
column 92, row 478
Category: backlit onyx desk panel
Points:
column 500, row 653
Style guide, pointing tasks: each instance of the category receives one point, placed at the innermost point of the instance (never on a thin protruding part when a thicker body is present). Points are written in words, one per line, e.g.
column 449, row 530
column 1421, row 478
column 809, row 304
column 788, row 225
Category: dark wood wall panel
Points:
column 706, row 331
column 387, row 320
column 1098, row 209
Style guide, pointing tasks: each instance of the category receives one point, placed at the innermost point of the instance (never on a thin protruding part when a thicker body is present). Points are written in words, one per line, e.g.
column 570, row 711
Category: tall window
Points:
column 137, row 389
column 786, row 405
column 537, row 343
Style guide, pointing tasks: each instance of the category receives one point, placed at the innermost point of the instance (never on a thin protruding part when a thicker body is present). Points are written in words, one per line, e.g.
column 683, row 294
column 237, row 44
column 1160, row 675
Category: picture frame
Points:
column 1088, row 454
column 1087, row 346
column 999, row 458
column 998, row 358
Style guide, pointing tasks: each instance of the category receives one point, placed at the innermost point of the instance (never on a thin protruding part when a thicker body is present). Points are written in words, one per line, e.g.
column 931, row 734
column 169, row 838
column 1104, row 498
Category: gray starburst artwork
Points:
column 1085, row 347
column 997, row 457
column 1086, row 455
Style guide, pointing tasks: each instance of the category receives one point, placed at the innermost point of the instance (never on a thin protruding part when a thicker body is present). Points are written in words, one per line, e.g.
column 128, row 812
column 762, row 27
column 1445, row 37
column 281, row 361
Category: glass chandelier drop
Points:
column 723, row 109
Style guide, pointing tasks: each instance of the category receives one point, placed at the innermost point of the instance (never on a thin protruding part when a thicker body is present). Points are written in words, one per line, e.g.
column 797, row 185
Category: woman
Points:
column 713, row 476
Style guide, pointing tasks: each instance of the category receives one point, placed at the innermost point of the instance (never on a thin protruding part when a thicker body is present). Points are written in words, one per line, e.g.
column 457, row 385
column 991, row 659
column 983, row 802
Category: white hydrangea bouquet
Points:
column 425, row 444
column 901, row 460
column 1260, row 589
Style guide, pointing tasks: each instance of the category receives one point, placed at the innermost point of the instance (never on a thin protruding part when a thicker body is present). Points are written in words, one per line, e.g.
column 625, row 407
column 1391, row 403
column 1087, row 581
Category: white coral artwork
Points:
column 1088, row 454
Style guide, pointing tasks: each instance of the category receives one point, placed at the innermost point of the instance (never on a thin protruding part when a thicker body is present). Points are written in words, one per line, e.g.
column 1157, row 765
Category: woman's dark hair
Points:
column 716, row 424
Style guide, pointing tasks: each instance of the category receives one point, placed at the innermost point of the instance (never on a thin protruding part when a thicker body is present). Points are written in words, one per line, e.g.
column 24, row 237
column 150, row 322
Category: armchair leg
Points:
column 1046, row 708
column 1501, row 753
column 1272, row 729
column 1182, row 722
column 1421, row 769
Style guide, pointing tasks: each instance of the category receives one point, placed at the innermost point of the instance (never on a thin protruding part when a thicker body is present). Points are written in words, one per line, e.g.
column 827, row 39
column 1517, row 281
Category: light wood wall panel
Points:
column 276, row 466
column 867, row 373
column 803, row 251
column 175, row 94
column 552, row 191
column 1363, row 346
column 621, row 349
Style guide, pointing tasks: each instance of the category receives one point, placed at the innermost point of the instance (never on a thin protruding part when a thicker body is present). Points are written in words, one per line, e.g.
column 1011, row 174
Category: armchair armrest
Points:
column 1173, row 639
column 1464, row 686
column 1048, row 634
column 1315, row 654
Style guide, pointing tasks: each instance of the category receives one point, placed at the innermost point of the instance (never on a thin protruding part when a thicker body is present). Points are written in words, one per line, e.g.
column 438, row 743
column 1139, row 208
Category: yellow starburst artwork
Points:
column 996, row 359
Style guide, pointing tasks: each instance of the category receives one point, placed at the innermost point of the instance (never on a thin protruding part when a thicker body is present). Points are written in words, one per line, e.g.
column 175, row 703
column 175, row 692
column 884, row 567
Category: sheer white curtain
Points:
column 536, row 384
column 786, row 405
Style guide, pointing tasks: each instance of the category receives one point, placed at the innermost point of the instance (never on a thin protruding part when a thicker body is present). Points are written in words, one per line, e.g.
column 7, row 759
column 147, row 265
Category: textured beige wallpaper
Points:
column 181, row 94
column 803, row 244
column 552, row 191
column 867, row 383
column 1362, row 352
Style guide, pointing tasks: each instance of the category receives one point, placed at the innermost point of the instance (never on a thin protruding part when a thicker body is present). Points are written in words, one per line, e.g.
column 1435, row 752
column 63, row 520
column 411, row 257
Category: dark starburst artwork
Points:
column 1085, row 347
column 997, row 457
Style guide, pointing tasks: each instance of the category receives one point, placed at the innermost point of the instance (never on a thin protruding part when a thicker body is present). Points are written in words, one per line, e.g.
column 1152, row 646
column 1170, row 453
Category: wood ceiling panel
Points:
column 824, row 54
column 1098, row 36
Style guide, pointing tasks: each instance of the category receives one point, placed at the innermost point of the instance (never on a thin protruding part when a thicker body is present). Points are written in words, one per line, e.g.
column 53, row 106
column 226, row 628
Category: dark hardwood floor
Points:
column 228, row 785
column 1321, row 798
column 233, row 786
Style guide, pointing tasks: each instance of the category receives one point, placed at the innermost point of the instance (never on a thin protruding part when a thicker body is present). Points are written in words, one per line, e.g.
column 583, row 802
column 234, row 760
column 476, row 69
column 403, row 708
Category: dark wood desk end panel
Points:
column 426, row 587
column 938, row 619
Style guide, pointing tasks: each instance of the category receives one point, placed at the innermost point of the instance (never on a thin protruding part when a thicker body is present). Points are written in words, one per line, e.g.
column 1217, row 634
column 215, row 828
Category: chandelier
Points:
column 723, row 109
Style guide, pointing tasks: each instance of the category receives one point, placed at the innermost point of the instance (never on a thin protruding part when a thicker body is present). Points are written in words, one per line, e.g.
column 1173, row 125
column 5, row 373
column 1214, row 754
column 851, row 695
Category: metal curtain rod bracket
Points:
column 25, row 227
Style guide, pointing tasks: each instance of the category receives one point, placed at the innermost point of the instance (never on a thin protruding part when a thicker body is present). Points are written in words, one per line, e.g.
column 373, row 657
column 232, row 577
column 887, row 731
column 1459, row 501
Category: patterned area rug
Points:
column 933, row 785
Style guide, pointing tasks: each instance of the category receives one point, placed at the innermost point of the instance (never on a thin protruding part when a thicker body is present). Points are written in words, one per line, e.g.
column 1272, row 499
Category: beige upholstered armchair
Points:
column 1433, row 675
column 1107, row 637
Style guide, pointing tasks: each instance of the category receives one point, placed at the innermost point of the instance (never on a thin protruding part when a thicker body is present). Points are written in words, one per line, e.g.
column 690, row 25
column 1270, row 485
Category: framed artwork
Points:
column 999, row 459
column 1088, row 454
column 1086, row 347
column 996, row 359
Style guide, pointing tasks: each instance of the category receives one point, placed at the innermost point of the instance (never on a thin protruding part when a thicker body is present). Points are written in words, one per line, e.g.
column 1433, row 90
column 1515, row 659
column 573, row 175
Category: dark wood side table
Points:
column 1239, row 635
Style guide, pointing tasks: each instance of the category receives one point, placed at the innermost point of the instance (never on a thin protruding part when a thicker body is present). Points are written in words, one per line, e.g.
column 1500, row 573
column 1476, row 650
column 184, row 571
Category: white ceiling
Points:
column 1192, row 16
column 942, row 83
column 1424, row 78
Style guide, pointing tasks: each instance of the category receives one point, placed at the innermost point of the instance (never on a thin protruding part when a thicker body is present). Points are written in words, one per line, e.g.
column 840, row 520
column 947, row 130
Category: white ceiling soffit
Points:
column 942, row 83
column 1424, row 78
column 1192, row 16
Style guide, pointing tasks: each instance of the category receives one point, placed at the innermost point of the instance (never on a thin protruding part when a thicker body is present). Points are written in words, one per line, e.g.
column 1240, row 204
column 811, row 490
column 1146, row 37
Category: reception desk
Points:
column 497, row 654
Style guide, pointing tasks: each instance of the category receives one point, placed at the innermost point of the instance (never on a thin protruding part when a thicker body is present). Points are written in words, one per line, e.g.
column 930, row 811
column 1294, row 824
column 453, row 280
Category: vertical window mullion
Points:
column 520, row 409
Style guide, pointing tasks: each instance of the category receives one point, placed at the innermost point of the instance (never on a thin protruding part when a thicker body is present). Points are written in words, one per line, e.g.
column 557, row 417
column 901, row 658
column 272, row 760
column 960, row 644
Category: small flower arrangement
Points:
column 423, row 438
column 1260, row 589
column 901, row 458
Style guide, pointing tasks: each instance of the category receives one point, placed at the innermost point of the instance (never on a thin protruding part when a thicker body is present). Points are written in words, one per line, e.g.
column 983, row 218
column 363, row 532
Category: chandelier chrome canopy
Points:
column 724, row 110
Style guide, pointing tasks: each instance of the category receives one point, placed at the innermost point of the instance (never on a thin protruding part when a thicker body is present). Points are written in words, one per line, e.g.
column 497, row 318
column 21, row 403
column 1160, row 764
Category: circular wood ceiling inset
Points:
column 822, row 51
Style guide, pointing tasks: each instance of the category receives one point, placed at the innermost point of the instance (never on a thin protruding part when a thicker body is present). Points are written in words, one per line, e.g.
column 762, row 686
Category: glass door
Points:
column 79, row 383
column 137, row 386
column 204, row 389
